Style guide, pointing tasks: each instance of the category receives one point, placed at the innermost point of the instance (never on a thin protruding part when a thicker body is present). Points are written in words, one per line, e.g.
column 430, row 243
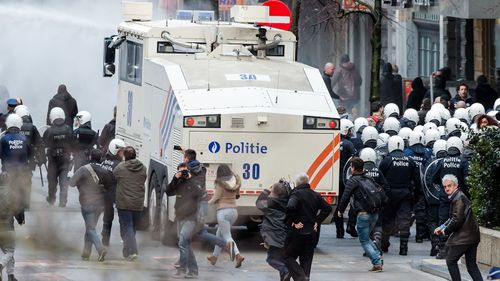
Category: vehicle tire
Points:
column 152, row 212
column 168, row 229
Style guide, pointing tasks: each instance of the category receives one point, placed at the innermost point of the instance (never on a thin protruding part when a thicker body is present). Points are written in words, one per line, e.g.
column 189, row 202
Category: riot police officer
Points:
column 402, row 175
column 14, row 154
column 85, row 138
column 369, row 157
column 58, row 140
column 360, row 124
column 456, row 165
column 34, row 142
column 432, row 192
column 410, row 119
column 112, row 158
column 347, row 150
column 369, row 137
column 421, row 155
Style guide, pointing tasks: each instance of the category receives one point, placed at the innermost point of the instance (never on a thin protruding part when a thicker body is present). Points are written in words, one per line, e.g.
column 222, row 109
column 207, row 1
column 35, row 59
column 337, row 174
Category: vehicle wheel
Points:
column 153, row 210
column 168, row 229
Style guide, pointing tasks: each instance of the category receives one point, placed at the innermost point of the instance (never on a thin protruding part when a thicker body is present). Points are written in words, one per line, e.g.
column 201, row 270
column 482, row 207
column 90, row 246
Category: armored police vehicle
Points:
column 231, row 91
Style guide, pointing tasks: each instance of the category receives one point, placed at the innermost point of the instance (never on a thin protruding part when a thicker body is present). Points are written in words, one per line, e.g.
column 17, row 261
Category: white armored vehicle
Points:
column 231, row 91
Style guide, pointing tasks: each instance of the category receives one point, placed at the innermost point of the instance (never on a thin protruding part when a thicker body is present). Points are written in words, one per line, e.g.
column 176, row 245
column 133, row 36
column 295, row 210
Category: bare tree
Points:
column 374, row 12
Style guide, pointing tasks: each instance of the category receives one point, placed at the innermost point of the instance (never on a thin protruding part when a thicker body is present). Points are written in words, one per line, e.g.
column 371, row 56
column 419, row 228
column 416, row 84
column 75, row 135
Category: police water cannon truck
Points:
column 233, row 92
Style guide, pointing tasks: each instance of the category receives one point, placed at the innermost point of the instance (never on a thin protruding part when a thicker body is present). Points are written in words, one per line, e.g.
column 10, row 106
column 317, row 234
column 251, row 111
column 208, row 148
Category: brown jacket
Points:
column 226, row 193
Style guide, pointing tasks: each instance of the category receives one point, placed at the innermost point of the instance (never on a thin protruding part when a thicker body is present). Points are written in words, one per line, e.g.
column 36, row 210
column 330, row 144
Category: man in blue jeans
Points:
column 365, row 221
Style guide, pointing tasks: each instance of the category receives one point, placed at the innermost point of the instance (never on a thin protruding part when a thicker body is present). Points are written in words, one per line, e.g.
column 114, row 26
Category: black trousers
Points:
column 109, row 214
column 398, row 209
column 455, row 253
column 57, row 172
column 433, row 221
column 301, row 247
column 419, row 208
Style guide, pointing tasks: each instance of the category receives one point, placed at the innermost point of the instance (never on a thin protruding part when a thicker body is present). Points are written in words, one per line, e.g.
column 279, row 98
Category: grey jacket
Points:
column 130, row 177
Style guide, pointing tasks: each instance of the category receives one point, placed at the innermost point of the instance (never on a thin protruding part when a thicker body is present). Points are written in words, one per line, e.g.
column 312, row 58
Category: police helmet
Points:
column 395, row 143
column 359, row 124
column 345, row 126
column 445, row 115
column 437, row 106
column 415, row 138
column 433, row 116
column 412, row 115
column 475, row 109
column 428, row 126
column 115, row 145
column 22, row 110
column 382, row 139
column 431, row 136
column 439, row 148
column 419, row 128
column 14, row 121
column 497, row 105
column 56, row 113
column 391, row 126
column 453, row 127
column 391, row 110
column 454, row 145
column 462, row 114
column 83, row 117
column 369, row 136
column 404, row 133
column 442, row 131
column 368, row 154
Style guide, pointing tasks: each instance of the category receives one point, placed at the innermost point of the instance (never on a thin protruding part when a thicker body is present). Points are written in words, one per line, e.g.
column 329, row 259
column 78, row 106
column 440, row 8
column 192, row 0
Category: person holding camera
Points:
column 227, row 190
column 188, row 193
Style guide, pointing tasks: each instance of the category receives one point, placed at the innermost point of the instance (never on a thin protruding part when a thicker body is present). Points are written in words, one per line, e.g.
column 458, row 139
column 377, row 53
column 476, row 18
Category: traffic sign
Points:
column 279, row 15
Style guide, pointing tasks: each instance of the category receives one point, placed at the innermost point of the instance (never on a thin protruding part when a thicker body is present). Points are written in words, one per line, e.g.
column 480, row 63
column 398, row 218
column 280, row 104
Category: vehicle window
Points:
column 169, row 48
column 131, row 62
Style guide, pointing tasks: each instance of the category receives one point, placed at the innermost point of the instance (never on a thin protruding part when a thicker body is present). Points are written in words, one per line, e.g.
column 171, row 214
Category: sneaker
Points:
column 212, row 259
column 376, row 268
column 132, row 257
column 230, row 246
column 191, row 275
column 177, row 264
column 239, row 260
column 102, row 255
column 179, row 274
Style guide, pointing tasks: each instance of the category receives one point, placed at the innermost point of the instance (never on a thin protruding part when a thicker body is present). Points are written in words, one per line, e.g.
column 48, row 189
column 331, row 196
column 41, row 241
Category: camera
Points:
column 185, row 174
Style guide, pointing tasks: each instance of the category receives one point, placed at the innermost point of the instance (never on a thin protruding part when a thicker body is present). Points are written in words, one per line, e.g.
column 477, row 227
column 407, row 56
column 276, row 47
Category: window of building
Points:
column 131, row 54
column 428, row 52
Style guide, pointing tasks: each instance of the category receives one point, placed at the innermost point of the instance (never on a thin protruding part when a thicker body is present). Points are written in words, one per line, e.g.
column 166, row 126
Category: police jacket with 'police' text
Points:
column 14, row 150
column 401, row 172
column 85, row 137
column 58, row 139
column 455, row 165
column 33, row 138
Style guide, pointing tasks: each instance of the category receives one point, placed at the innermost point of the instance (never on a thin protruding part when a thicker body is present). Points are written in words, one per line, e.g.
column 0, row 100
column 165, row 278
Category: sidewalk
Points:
column 438, row 268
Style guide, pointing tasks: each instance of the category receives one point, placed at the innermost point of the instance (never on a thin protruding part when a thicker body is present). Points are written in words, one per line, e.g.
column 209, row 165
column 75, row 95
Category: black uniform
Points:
column 14, row 151
column 372, row 171
column 109, row 163
column 36, row 152
column 421, row 155
column 107, row 134
column 58, row 140
column 86, row 139
column 347, row 150
column 357, row 142
column 402, row 175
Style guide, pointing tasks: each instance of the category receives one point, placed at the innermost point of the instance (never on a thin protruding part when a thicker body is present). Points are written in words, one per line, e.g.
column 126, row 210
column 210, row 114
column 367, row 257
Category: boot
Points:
column 419, row 238
column 12, row 277
column 442, row 253
column 339, row 226
column 403, row 248
column 351, row 229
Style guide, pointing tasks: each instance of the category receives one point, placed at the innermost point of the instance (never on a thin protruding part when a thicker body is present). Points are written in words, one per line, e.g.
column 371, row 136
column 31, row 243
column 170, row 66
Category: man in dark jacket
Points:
column 417, row 94
column 92, row 180
column 188, row 194
column 327, row 78
column 130, row 178
column 463, row 230
column 484, row 93
column 65, row 101
column 391, row 89
column 347, row 81
column 462, row 95
column 272, row 202
column 365, row 221
column 107, row 133
column 306, row 209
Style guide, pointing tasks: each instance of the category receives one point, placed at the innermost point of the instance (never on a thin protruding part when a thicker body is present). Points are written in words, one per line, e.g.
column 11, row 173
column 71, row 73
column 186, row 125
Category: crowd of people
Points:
column 396, row 169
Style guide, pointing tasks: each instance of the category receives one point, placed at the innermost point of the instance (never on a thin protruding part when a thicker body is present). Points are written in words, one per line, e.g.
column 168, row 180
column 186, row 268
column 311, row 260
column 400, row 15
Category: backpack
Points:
column 373, row 195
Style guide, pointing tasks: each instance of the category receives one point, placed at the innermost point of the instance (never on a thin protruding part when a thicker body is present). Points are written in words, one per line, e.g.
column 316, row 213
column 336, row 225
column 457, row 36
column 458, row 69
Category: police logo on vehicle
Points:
column 214, row 147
